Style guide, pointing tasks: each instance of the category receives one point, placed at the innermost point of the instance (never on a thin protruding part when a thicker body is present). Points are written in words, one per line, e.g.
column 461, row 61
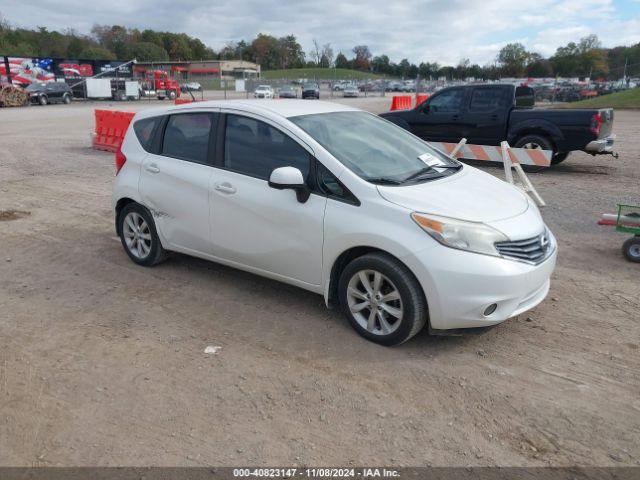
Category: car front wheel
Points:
column 138, row 235
column 382, row 299
column 43, row 100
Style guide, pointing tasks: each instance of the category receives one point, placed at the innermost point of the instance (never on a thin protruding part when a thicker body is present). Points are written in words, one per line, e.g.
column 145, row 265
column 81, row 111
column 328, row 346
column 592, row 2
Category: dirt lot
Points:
column 102, row 363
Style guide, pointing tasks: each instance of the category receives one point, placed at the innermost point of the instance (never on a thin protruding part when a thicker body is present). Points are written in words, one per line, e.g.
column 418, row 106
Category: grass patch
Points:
column 626, row 99
column 318, row 73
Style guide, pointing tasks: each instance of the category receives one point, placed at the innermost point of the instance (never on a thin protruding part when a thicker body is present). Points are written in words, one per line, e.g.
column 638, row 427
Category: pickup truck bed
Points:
column 489, row 114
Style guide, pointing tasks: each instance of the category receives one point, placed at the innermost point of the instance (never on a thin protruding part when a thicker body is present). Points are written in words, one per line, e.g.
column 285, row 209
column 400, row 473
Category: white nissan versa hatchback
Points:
column 337, row 201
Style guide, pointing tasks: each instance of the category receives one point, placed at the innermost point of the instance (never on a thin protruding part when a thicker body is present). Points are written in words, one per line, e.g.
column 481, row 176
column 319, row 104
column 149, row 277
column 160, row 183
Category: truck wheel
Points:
column 172, row 94
column 631, row 249
column 66, row 99
column 534, row 142
column 559, row 158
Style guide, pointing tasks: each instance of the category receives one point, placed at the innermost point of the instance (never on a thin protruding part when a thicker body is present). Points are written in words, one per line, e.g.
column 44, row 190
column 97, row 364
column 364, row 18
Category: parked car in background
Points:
column 311, row 90
column 336, row 201
column 288, row 91
column 263, row 91
column 191, row 87
column 50, row 92
column 490, row 114
column 350, row 91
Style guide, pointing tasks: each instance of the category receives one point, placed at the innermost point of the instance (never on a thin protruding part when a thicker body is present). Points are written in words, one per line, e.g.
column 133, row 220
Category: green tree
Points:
column 513, row 59
column 147, row 52
column 341, row 61
column 97, row 53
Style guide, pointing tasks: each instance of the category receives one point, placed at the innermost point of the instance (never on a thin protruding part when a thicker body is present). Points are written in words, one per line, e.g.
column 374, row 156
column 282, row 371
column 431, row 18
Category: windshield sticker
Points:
column 432, row 160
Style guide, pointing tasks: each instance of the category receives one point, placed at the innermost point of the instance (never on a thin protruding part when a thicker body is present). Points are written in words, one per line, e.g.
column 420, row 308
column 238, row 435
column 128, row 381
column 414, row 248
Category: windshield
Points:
column 375, row 149
column 309, row 86
column 34, row 86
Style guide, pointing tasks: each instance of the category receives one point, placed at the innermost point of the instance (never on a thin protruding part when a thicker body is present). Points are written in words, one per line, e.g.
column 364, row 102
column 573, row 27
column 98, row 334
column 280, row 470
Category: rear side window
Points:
column 187, row 136
column 486, row 99
column 145, row 130
column 255, row 148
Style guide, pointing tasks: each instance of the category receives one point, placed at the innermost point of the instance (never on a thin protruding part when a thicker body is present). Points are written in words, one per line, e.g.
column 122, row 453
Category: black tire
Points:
column 413, row 303
column 156, row 253
column 543, row 142
column 172, row 94
column 43, row 100
column 631, row 249
column 559, row 158
column 66, row 99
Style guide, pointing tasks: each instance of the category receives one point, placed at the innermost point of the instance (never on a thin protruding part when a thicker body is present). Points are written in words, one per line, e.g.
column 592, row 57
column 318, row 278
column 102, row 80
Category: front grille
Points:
column 532, row 250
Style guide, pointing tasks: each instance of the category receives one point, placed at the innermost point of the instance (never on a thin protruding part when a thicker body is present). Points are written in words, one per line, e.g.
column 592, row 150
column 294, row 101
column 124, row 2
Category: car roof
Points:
column 286, row 109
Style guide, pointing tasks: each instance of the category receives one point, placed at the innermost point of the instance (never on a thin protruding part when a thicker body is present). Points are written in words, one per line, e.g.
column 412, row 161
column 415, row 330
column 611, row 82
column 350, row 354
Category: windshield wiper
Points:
column 420, row 172
column 384, row 181
column 431, row 168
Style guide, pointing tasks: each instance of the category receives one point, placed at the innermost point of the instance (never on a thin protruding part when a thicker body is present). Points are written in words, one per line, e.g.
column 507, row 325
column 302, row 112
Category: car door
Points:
column 437, row 119
column 174, row 180
column 53, row 92
column 253, row 224
column 484, row 120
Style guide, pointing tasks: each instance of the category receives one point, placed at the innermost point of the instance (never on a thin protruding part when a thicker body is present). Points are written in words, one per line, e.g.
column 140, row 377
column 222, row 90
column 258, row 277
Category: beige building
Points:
column 205, row 69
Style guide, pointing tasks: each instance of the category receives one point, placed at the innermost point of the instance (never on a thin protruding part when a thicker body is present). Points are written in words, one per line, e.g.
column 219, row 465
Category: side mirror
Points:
column 285, row 178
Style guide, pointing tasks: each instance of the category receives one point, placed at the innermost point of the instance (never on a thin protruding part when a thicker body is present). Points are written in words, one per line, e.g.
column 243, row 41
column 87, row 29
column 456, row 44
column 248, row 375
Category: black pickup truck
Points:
column 489, row 114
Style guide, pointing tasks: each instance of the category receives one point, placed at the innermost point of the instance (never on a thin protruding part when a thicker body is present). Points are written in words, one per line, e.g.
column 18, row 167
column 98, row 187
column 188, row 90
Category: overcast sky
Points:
column 420, row 30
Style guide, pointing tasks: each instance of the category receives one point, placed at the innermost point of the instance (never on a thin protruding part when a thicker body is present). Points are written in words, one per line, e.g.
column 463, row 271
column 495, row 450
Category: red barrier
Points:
column 401, row 102
column 182, row 101
column 111, row 126
column 421, row 98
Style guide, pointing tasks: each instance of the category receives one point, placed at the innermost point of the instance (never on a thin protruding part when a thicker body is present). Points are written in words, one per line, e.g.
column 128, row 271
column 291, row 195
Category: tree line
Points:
column 586, row 57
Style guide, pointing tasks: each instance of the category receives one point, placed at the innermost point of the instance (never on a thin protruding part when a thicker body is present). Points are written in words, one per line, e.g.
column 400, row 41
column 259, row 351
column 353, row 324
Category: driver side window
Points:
column 447, row 102
column 255, row 148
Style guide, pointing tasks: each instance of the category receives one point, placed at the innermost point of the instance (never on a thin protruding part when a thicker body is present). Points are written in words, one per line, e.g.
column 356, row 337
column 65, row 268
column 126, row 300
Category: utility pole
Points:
column 624, row 75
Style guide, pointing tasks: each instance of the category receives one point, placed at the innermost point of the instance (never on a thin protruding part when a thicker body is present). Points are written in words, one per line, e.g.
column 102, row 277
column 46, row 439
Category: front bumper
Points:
column 602, row 145
column 460, row 285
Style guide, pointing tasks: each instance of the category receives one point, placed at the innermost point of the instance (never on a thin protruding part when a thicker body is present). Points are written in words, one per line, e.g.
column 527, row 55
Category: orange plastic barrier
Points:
column 421, row 98
column 111, row 126
column 182, row 101
column 401, row 102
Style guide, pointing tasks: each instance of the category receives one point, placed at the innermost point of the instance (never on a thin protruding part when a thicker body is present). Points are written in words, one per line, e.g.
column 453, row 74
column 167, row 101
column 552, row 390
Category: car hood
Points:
column 469, row 194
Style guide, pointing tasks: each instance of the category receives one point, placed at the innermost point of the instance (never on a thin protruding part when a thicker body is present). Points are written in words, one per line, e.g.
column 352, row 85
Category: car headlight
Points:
column 469, row 236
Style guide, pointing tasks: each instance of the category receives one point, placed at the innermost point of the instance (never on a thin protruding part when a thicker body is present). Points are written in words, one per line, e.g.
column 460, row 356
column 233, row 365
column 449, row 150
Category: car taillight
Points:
column 596, row 124
column 120, row 159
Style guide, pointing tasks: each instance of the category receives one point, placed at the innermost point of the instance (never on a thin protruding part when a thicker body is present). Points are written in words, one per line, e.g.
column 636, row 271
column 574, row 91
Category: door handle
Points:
column 153, row 168
column 225, row 187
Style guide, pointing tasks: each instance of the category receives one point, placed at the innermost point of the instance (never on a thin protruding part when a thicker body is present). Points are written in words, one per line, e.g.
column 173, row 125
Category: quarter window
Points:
column 145, row 130
column 255, row 148
column 187, row 136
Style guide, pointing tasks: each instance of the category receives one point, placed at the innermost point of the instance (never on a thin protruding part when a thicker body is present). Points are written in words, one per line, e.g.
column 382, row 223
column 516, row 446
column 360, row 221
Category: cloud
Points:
column 420, row 30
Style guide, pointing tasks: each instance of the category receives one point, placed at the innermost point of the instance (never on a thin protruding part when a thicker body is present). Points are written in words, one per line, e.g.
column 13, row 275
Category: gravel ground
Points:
column 102, row 363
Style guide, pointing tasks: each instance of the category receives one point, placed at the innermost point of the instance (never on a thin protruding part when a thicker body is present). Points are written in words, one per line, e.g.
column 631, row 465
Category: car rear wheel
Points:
column 66, row 99
column 382, row 299
column 139, row 236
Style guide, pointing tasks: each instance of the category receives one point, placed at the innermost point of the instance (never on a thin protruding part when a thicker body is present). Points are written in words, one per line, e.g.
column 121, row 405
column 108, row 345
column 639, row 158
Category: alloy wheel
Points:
column 137, row 235
column 375, row 302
